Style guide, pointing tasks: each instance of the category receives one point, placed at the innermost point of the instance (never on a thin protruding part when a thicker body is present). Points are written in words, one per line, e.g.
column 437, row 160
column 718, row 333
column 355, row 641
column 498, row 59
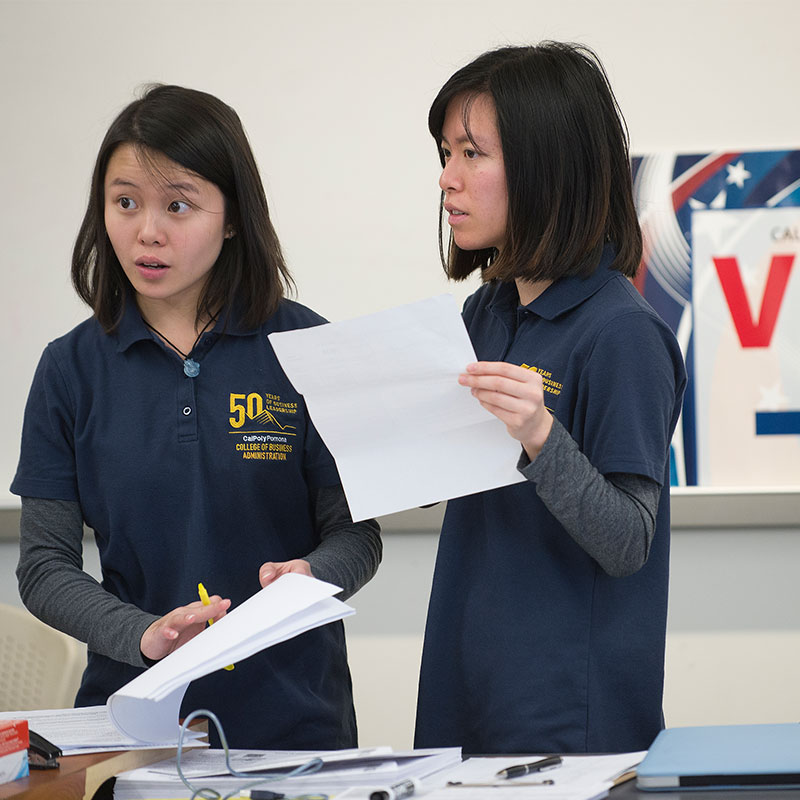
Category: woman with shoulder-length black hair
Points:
column 165, row 424
column 206, row 137
column 547, row 616
column 566, row 158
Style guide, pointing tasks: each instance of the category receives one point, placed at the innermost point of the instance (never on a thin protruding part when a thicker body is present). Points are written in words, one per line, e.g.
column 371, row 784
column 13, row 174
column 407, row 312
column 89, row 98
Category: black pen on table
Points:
column 518, row 770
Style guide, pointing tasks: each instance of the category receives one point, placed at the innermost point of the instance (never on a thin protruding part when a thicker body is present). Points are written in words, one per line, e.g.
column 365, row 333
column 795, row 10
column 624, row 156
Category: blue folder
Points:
column 723, row 757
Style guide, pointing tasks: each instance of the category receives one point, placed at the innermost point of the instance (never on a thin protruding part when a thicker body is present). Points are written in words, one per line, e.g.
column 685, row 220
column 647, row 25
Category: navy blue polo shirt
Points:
column 194, row 479
column 529, row 646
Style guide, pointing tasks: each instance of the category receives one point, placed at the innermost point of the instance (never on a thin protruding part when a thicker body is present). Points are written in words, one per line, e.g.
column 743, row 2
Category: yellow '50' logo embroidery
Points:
column 260, row 410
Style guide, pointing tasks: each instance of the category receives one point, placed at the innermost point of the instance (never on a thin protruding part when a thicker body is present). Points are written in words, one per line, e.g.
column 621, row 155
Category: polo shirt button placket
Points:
column 187, row 405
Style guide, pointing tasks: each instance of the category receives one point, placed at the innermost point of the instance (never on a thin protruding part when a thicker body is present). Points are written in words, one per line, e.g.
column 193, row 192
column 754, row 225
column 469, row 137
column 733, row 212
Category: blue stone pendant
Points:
column 191, row 368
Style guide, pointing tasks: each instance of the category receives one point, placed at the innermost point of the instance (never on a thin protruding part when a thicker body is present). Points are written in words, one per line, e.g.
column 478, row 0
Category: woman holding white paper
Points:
column 547, row 618
column 165, row 424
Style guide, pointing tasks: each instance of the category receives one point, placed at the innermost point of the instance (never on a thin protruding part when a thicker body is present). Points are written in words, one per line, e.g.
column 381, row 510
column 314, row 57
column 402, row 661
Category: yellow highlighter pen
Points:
column 201, row 590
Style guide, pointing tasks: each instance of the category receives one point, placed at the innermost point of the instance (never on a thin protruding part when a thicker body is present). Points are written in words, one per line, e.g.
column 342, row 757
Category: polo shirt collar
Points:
column 567, row 293
column 131, row 328
column 562, row 295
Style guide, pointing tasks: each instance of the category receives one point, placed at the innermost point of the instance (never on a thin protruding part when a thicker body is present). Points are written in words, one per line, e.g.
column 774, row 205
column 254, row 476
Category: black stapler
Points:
column 41, row 753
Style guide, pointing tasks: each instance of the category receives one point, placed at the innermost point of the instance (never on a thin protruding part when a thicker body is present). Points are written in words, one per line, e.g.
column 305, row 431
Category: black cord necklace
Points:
column 190, row 367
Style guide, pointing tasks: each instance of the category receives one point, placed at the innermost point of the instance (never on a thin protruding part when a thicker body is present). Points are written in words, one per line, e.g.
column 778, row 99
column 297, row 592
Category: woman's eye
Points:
column 178, row 207
column 126, row 203
column 470, row 154
column 445, row 153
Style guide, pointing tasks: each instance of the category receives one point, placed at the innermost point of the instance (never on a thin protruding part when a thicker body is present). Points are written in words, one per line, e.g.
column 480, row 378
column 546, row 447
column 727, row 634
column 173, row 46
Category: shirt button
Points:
column 187, row 411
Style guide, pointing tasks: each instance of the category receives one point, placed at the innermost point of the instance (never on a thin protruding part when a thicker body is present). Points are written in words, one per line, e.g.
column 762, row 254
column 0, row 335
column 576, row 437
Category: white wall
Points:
column 334, row 95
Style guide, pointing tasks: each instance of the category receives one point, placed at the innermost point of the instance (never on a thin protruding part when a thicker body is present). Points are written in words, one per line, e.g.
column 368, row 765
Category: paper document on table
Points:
column 577, row 778
column 78, row 731
column 147, row 707
column 383, row 392
column 214, row 763
column 370, row 768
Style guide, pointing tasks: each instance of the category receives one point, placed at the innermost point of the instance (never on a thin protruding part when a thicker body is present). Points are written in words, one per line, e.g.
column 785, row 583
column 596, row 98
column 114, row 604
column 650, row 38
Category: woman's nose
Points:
column 151, row 230
column 449, row 179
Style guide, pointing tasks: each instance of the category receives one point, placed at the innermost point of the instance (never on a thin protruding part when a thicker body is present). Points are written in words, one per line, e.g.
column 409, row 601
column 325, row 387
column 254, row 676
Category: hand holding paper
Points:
column 147, row 708
column 515, row 395
column 174, row 629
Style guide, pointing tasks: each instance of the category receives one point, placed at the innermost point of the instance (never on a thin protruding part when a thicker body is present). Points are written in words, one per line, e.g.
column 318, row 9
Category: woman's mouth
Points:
column 147, row 262
column 455, row 215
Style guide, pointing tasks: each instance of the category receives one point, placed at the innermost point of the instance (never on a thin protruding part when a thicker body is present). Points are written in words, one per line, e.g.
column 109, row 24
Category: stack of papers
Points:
column 145, row 712
column 147, row 708
column 78, row 731
column 370, row 768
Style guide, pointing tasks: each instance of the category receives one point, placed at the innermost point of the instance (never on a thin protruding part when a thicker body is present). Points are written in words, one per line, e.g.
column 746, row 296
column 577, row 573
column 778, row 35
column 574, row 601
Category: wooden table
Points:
column 81, row 777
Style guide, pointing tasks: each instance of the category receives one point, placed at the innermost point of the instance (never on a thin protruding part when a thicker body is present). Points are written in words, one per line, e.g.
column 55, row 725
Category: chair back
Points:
column 40, row 667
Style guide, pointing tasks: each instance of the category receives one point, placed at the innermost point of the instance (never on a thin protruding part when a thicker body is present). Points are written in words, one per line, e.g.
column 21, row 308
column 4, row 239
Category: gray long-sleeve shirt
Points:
column 611, row 517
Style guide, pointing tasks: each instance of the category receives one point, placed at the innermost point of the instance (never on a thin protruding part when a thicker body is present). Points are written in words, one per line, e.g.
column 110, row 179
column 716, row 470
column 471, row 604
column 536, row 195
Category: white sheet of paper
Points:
column 147, row 708
column 383, row 392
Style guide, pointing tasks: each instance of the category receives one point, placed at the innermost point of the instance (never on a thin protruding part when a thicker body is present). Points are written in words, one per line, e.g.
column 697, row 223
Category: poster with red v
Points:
column 746, row 343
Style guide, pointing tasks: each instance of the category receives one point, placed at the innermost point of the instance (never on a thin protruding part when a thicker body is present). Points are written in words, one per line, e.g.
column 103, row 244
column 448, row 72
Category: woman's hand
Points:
column 271, row 570
column 515, row 395
column 179, row 626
